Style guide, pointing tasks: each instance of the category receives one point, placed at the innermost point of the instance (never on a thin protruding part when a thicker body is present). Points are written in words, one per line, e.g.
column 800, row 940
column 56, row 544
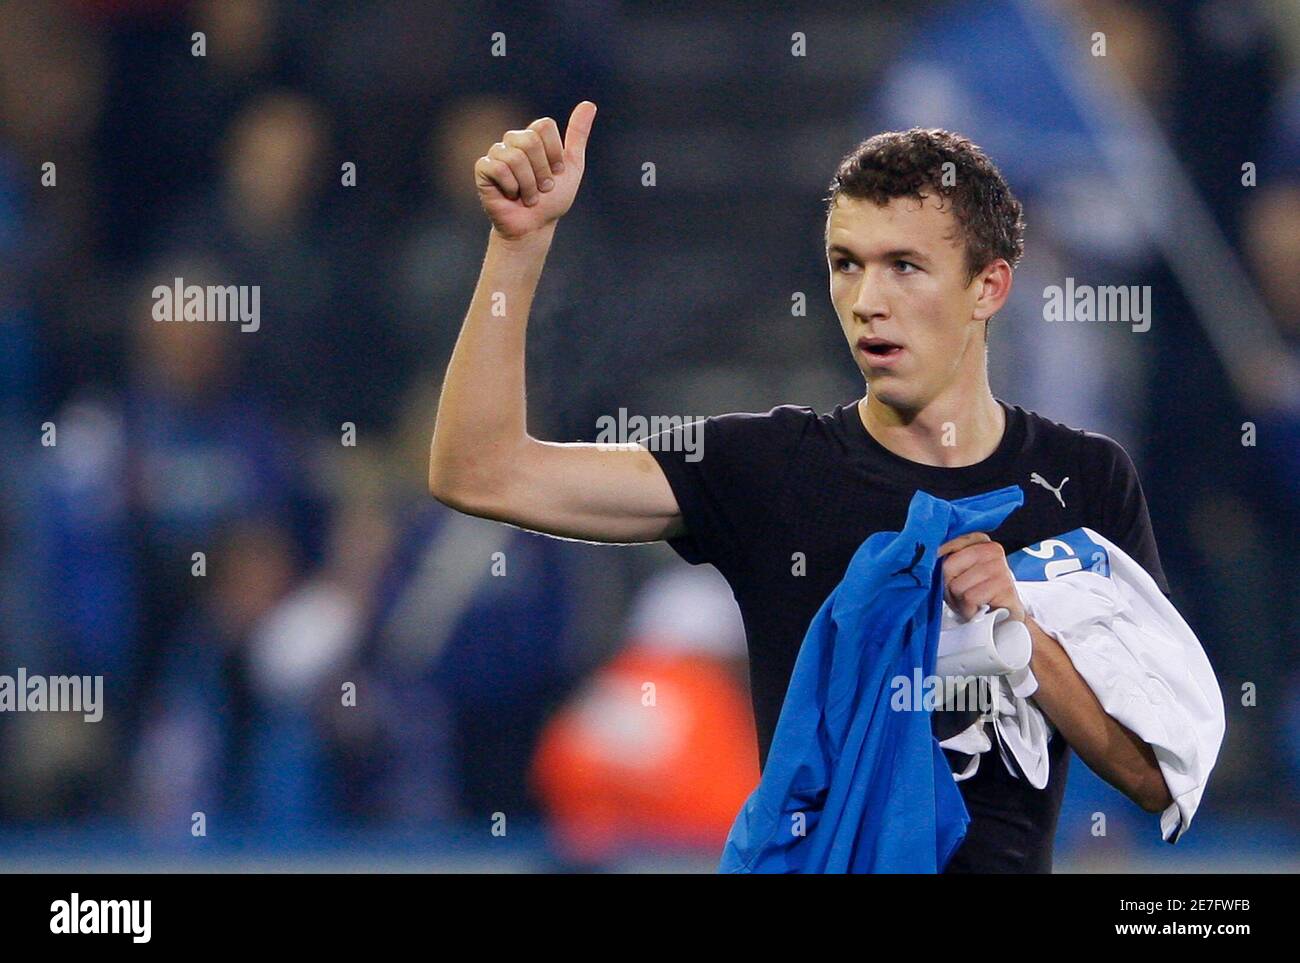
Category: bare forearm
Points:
column 482, row 409
column 1109, row 749
column 483, row 461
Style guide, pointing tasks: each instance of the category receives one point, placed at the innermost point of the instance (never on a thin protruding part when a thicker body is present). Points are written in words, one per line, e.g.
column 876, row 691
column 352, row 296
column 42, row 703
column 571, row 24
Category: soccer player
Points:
column 922, row 236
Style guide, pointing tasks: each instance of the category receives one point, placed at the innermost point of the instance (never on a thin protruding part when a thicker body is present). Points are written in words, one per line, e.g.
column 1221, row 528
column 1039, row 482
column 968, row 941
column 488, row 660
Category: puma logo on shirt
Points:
column 916, row 558
column 1038, row 479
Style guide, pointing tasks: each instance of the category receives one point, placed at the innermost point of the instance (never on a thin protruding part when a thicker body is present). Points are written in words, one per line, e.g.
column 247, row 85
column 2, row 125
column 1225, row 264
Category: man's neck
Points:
column 950, row 432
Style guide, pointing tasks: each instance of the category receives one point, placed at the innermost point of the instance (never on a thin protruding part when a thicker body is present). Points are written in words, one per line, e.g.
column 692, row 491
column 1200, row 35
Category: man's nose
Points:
column 870, row 303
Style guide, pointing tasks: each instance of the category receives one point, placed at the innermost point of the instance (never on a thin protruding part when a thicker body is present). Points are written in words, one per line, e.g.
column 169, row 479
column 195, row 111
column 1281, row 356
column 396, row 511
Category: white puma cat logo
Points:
column 1038, row 479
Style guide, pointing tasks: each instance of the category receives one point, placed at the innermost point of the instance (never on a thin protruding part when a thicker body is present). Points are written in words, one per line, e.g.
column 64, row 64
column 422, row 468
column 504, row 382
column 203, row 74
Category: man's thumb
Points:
column 580, row 121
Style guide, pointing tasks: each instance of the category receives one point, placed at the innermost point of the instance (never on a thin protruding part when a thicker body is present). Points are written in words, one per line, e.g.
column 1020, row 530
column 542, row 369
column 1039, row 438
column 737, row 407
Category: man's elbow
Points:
column 447, row 490
column 440, row 483
column 473, row 494
column 445, row 493
column 450, row 478
column 1153, row 795
column 446, row 478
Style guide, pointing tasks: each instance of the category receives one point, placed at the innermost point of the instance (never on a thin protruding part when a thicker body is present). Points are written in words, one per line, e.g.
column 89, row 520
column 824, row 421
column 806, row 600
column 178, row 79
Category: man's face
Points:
column 898, row 283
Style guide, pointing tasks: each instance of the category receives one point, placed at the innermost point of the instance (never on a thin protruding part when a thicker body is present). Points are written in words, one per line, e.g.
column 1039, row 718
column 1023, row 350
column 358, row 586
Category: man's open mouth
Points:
column 879, row 347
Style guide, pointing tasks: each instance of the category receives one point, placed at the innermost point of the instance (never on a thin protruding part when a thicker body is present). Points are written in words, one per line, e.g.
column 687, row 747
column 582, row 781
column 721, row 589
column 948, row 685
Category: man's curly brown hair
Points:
column 911, row 164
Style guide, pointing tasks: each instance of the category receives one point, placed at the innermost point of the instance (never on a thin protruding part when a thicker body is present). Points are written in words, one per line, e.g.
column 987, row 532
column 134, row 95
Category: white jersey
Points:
column 1128, row 642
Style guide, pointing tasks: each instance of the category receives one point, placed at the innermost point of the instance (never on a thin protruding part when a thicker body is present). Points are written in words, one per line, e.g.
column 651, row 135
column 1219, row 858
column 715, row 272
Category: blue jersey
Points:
column 850, row 784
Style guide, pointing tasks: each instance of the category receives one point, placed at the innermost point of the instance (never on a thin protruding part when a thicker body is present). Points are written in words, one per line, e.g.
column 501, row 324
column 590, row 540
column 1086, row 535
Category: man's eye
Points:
column 841, row 263
column 905, row 267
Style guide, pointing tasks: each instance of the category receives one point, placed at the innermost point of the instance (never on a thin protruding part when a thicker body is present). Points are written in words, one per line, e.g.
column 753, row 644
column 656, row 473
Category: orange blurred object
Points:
column 658, row 750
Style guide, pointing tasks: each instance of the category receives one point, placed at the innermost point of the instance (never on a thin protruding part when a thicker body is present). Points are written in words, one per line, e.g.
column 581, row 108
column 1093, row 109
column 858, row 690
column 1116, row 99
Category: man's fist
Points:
column 529, row 178
column 975, row 573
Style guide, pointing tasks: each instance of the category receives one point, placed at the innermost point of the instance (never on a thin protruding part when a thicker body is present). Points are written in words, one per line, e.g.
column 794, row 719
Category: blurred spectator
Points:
column 1272, row 243
column 210, row 737
column 657, row 749
column 262, row 224
column 145, row 478
column 475, row 630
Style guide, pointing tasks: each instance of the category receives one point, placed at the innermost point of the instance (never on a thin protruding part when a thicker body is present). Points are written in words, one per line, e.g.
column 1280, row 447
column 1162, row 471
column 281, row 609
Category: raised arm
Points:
column 483, row 461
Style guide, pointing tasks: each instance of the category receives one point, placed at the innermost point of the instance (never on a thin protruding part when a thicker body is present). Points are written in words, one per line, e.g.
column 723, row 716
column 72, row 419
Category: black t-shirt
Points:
column 768, row 493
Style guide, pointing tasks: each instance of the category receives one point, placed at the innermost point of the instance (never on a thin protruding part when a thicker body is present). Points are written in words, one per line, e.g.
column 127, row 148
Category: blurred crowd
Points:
column 233, row 528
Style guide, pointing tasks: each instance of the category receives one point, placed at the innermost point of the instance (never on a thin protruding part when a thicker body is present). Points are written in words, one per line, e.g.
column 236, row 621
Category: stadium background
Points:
column 486, row 702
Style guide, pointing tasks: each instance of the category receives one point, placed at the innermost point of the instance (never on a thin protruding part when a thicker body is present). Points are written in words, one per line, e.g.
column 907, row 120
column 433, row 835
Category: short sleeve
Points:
column 1122, row 516
column 726, row 472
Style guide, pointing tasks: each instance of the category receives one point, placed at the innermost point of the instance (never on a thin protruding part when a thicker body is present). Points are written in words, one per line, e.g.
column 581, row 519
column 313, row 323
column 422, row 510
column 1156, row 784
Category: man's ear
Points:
column 994, row 284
